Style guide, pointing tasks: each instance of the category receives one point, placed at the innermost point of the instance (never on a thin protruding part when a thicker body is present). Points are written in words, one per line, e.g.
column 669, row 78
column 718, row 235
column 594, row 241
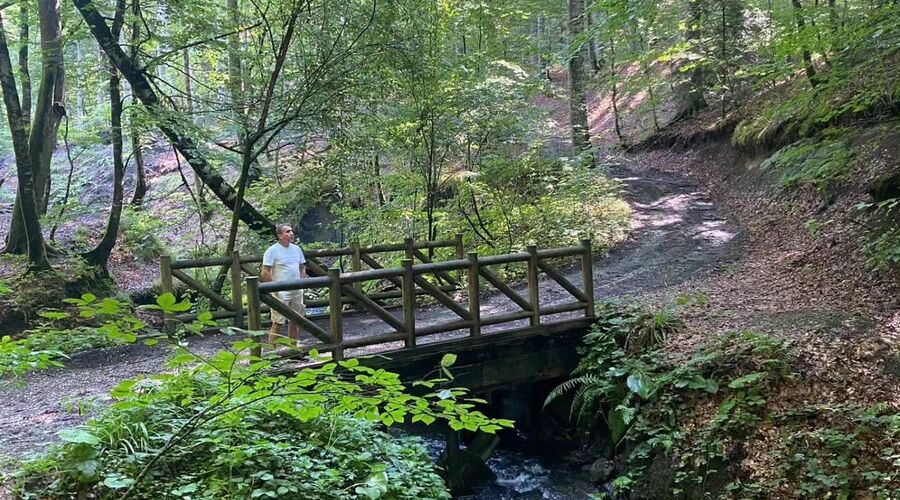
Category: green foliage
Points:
column 816, row 162
column 859, row 82
column 702, row 412
column 849, row 450
column 93, row 323
column 140, row 232
column 227, row 428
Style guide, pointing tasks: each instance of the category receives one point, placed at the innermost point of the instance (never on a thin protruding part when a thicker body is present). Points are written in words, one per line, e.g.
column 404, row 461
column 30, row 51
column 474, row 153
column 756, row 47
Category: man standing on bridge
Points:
column 284, row 261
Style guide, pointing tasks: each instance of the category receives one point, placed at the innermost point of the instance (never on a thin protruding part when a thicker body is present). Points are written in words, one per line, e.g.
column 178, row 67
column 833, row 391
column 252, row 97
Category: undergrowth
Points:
column 711, row 418
column 228, row 426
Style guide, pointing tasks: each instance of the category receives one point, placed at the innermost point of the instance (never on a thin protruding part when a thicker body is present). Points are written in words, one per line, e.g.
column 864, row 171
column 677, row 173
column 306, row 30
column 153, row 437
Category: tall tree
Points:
column 99, row 256
column 578, row 118
column 48, row 111
column 28, row 211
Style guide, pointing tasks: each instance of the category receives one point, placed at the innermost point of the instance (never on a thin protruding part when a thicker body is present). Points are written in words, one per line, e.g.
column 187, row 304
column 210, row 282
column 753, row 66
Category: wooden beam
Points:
column 563, row 282
column 362, row 299
column 293, row 315
column 504, row 288
column 203, row 289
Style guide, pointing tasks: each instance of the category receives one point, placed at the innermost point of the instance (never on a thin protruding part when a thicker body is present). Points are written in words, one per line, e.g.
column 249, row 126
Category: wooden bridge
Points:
column 434, row 297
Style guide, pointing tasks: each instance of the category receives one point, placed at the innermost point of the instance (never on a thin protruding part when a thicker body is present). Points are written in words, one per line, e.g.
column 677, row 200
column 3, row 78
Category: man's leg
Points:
column 294, row 327
column 274, row 332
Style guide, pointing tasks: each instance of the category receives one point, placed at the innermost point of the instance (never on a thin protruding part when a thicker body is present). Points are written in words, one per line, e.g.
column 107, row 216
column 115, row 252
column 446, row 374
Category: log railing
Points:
column 413, row 281
column 231, row 304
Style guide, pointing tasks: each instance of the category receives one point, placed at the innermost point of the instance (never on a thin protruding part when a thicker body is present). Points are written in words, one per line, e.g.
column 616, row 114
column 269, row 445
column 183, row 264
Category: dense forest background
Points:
column 135, row 129
column 415, row 118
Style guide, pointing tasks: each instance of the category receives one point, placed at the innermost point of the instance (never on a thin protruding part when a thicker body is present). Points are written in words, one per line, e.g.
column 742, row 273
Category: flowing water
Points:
column 525, row 475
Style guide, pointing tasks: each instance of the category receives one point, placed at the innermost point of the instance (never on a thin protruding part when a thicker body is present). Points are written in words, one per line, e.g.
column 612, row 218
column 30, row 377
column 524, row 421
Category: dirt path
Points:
column 677, row 235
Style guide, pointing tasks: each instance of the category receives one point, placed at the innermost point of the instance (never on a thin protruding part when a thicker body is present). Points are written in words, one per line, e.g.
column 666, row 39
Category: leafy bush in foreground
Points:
column 225, row 427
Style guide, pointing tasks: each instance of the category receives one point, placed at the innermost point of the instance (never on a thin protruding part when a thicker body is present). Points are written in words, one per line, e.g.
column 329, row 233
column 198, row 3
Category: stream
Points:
column 525, row 474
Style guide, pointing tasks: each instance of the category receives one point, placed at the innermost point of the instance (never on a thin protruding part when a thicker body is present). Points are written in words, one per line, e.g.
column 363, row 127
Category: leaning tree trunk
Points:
column 99, row 256
column 168, row 122
column 49, row 109
column 28, row 213
column 578, row 120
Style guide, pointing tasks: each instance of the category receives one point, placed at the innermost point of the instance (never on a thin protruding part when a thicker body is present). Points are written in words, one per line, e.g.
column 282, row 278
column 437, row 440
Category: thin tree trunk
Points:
column 24, row 74
column 48, row 111
column 140, row 176
column 28, row 213
column 168, row 124
column 691, row 92
column 593, row 60
column 578, row 119
column 804, row 52
column 99, row 256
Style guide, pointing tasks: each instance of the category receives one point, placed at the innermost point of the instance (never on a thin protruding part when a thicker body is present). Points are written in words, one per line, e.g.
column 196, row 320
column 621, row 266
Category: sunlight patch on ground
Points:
column 713, row 232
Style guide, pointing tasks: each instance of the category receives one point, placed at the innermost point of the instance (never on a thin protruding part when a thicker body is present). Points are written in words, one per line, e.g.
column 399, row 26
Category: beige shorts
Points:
column 291, row 298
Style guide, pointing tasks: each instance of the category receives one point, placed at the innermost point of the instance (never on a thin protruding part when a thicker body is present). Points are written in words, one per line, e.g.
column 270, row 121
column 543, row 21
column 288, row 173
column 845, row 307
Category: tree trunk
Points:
column 24, row 74
column 140, row 175
column 99, row 256
column 28, row 213
column 690, row 94
column 593, row 59
column 578, row 120
column 168, row 122
column 48, row 111
column 804, row 52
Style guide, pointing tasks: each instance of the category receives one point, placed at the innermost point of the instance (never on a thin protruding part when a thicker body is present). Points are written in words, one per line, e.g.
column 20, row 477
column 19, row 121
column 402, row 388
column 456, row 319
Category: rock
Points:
column 600, row 470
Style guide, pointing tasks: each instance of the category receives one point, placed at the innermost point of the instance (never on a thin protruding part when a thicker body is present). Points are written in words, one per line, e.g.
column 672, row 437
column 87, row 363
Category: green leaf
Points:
column 448, row 360
column 117, row 481
column 54, row 315
column 78, row 435
column 746, row 380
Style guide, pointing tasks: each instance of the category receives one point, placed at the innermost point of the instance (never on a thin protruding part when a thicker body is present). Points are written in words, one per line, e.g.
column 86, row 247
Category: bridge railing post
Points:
column 587, row 276
column 460, row 255
column 408, row 294
column 533, row 295
column 335, row 314
column 356, row 263
column 167, row 286
column 474, row 295
column 253, row 312
column 236, row 300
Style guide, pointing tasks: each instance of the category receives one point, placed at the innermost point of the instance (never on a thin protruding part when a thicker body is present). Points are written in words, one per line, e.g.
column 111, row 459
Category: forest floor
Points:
column 677, row 235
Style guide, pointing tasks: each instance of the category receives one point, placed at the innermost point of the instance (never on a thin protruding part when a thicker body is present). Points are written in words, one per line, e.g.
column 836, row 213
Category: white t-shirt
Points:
column 285, row 261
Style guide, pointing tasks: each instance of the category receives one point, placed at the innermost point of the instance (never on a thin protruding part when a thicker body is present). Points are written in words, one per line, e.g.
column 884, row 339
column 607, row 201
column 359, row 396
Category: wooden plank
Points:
column 503, row 287
column 364, row 301
column 442, row 274
column 509, row 258
column 556, row 253
column 203, row 289
column 254, row 318
column 167, row 286
column 496, row 319
column 292, row 315
column 335, row 320
column 442, row 297
column 194, row 263
column 561, row 308
column 409, row 302
column 563, row 282
column 587, row 276
column 443, row 327
column 236, row 300
column 474, row 290
column 533, row 284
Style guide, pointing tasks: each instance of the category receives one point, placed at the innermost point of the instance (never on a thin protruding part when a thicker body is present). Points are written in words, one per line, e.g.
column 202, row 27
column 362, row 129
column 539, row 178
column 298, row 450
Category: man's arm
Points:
column 265, row 274
column 303, row 269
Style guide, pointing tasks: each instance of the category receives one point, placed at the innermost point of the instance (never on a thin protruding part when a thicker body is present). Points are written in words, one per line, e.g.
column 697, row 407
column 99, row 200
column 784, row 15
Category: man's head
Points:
column 285, row 234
